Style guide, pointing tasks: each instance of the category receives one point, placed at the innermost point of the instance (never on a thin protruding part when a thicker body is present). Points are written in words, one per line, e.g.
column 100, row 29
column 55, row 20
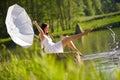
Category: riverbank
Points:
column 97, row 22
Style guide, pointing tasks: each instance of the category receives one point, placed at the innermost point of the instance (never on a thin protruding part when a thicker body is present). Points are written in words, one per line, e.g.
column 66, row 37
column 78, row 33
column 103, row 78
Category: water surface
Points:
column 99, row 41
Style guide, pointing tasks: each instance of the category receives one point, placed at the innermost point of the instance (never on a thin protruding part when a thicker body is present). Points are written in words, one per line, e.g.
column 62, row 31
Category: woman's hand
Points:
column 41, row 33
column 39, row 29
column 35, row 23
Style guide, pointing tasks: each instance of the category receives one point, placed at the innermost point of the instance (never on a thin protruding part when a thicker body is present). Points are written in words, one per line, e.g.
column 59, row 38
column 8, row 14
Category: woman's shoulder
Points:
column 41, row 37
column 45, row 36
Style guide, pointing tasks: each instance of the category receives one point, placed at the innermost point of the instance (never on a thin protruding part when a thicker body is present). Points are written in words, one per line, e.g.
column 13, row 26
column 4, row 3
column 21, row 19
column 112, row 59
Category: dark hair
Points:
column 43, row 26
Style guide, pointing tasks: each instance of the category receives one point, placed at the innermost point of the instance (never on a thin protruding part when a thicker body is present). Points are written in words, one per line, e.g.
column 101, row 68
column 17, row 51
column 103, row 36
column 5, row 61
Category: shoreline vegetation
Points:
column 98, row 22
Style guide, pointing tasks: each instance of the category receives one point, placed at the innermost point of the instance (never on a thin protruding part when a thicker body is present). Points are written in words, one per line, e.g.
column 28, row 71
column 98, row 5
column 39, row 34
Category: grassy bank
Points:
column 97, row 17
column 96, row 22
column 101, row 22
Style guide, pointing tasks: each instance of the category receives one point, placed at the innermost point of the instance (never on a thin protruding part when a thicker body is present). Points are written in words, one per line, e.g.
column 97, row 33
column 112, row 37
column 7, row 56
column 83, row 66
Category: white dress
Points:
column 51, row 47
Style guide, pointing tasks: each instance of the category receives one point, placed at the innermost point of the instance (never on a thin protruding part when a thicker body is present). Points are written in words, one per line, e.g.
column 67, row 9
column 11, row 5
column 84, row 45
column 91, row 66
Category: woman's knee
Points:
column 65, row 41
column 64, row 37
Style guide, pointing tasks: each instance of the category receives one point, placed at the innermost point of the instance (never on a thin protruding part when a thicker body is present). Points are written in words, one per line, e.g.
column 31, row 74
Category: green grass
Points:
column 96, row 17
column 28, row 64
column 5, row 40
column 101, row 22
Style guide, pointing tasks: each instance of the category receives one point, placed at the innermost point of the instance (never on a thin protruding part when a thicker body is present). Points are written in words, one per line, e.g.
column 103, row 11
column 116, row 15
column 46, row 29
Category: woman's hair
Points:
column 43, row 25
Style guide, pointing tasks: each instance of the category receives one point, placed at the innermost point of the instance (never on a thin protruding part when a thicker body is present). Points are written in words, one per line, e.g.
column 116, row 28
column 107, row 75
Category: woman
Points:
column 51, row 47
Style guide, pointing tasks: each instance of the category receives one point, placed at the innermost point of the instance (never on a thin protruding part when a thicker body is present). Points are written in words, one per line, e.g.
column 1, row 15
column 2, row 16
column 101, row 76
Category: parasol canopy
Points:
column 19, row 26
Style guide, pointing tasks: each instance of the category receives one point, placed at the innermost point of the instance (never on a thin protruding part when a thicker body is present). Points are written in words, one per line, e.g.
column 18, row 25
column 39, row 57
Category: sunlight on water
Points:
column 115, row 44
column 114, row 47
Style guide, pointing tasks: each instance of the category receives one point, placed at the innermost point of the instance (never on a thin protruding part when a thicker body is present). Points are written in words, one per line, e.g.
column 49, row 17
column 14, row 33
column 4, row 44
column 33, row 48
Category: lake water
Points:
column 99, row 41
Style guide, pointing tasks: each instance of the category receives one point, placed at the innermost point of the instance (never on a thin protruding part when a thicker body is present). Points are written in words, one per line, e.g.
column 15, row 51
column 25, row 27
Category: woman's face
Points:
column 46, row 30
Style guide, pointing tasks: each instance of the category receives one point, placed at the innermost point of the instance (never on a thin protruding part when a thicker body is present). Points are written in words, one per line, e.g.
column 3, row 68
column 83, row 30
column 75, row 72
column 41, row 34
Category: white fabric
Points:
column 51, row 47
column 19, row 26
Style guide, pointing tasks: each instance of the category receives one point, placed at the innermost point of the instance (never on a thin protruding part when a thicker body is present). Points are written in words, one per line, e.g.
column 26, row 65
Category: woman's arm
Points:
column 41, row 33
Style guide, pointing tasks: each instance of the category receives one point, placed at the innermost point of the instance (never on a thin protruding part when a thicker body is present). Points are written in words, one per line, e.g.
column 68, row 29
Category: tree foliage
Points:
column 59, row 14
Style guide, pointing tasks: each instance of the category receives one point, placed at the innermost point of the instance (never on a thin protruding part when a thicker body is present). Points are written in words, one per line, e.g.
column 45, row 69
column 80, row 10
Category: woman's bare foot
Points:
column 78, row 59
column 79, row 53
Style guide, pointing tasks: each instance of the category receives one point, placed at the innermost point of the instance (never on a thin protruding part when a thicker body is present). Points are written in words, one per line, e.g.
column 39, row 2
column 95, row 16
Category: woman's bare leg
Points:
column 76, row 51
column 73, row 47
column 74, row 37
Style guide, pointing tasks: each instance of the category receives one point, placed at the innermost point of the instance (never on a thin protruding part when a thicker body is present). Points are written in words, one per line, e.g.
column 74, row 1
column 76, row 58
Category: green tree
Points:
column 97, row 6
column 108, row 6
column 79, row 8
column 89, row 10
column 118, row 6
column 3, row 12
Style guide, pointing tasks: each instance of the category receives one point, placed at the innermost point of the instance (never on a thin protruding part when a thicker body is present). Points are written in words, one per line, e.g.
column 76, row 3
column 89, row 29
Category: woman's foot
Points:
column 79, row 53
column 78, row 58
